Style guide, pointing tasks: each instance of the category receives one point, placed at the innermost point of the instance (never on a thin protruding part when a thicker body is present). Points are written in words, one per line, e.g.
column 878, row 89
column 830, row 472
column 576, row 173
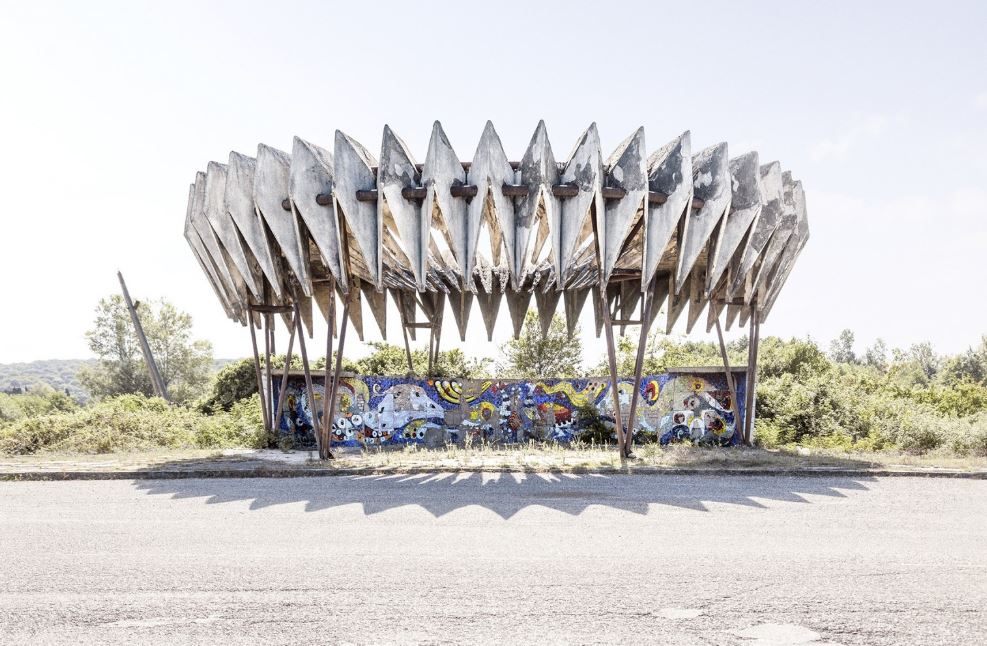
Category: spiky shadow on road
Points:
column 508, row 493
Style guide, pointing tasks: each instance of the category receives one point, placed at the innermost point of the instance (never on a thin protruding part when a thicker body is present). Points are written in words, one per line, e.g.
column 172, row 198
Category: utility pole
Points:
column 156, row 380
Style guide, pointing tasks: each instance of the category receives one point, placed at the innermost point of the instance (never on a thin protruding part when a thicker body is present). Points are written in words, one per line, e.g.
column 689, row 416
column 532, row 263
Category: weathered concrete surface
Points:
column 669, row 172
column 310, row 175
column 449, row 226
column 495, row 558
column 584, row 168
column 489, row 171
column 627, row 169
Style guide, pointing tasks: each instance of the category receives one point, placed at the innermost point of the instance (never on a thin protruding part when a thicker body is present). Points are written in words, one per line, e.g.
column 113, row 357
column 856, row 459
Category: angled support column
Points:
column 734, row 404
column 404, row 331
column 611, row 349
column 749, row 400
column 646, row 317
column 265, row 413
column 284, row 377
column 310, row 391
column 327, row 412
column 267, row 393
column 327, row 422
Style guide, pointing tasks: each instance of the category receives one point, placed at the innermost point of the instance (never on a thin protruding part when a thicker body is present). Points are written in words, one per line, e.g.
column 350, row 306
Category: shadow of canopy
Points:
column 506, row 494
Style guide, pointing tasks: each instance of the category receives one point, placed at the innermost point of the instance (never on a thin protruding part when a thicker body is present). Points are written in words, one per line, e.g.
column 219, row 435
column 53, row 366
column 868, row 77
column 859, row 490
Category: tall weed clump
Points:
column 134, row 423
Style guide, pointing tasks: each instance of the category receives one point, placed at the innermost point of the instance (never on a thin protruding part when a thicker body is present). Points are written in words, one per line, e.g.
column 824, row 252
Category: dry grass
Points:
column 534, row 457
column 527, row 457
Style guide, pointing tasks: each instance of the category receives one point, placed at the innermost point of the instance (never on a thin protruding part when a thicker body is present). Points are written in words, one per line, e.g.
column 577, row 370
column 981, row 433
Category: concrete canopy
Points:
column 704, row 230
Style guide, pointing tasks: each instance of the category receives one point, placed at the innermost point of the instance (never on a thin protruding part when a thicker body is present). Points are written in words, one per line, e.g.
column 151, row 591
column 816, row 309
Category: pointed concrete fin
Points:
column 780, row 281
column 213, row 247
column 784, row 230
column 630, row 296
column 226, row 231
column 305, row 311
column 796, row 242
column 517, row 306
column 441, row 171
column 711, row 183
column 489, row 303
column 628, row 169
column 538, row 172
column 271, row 183
column 547, row 303
column 461, row 303
column 353, row 171
column 574, row 301
column 767, row 222
column 311, row 175
column 239, row 199
column 732, row 312
column 676, row 304
column 323, row 297
column 202, row 257
column 697, row 299
column 356, row 307
column 203, row 263
column 669, row 172
column 396, row 172
column 660, row 294
column 378, row 307
column 489, row 171
column 585, row 169
column 745, row 204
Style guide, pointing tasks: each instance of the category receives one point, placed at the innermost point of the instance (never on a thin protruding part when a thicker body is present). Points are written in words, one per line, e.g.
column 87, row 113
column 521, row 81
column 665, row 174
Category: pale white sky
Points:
column 107, row 109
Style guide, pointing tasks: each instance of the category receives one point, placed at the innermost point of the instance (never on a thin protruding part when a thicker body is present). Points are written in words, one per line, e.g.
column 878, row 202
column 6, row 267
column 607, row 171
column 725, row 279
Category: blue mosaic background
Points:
column 372, row 411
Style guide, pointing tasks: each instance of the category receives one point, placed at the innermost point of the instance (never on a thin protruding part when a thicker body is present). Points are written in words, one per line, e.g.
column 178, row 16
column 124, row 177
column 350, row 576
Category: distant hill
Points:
column 60, row 374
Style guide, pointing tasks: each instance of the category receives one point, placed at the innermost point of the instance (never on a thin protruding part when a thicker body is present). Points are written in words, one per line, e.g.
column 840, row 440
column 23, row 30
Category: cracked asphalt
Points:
column 495, row 558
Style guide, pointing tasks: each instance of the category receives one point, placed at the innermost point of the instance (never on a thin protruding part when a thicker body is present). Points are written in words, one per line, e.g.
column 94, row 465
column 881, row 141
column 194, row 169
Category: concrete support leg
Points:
column 309, row 389
column 284, row 377
column 264, row 407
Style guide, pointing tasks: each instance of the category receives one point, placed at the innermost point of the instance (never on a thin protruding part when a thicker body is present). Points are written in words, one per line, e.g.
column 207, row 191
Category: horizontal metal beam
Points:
column 271, row 309
column 509, row 190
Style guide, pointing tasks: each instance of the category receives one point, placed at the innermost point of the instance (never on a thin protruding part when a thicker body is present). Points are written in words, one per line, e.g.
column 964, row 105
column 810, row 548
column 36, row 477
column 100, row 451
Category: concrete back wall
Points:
column 692, row 403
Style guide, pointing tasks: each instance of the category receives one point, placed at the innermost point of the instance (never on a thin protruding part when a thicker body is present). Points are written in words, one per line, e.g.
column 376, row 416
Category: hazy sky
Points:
column 108, row 109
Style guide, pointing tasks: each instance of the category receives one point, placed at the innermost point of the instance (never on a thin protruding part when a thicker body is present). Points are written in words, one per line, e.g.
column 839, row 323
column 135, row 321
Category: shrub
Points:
column 235, row 381
column 131, row 423
column 37, row 401
column 592, row 428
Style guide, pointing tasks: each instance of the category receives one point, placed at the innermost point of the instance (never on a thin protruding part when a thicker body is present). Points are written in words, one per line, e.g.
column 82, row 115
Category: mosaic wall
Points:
column 395, row 410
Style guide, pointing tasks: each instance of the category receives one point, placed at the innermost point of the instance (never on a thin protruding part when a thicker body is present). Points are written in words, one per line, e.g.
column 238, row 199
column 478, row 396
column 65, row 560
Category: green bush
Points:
column 591, row 426
column 133, row 423
column 37, row 401
column 235, row 381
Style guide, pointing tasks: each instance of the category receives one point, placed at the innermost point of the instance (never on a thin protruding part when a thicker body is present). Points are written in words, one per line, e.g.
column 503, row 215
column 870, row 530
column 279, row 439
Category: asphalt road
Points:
column 495, row 558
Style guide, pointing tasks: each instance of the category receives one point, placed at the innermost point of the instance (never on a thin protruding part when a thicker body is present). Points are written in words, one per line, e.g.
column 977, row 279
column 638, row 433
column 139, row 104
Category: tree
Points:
column 916, row 366
column 876, row 356
column 841, row 348
column 184, row 363
column 388, row 359
column 536, row 356
column 968, row 366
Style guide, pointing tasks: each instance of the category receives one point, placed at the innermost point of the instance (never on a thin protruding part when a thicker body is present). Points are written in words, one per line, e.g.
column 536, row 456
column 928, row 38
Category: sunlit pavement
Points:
column 495, row 558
